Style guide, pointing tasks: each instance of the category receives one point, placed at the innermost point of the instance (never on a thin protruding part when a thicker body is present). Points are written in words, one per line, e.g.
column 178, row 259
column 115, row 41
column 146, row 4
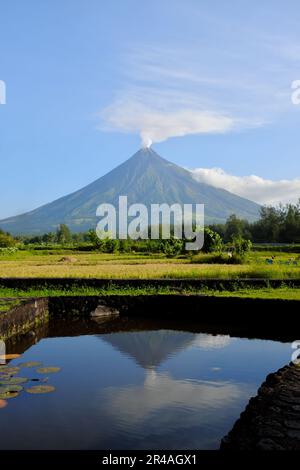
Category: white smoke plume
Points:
column 255, row 188
column 146, row 142
column 159, row 125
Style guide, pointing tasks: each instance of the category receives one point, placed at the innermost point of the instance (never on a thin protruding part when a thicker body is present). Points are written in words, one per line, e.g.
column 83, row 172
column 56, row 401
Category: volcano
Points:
column 144, row 178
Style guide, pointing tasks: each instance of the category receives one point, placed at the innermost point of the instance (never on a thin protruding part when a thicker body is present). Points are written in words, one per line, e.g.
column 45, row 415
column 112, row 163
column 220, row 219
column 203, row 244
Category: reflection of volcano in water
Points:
column 150, row 348
column 170, row 412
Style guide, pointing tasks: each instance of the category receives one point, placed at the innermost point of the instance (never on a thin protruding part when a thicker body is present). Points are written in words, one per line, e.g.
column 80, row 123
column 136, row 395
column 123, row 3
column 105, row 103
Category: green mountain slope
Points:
column 144, row 178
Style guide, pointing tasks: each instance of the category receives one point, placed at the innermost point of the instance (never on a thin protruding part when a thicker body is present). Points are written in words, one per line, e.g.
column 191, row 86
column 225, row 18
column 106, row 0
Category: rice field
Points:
column 141, row 266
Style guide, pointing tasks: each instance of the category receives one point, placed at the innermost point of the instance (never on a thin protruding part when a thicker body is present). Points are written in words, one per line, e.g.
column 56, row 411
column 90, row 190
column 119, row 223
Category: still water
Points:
column 132, row 386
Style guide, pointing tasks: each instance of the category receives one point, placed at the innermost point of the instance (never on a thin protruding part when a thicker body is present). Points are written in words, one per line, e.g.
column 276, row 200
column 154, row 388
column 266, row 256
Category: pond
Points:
column 130, row 384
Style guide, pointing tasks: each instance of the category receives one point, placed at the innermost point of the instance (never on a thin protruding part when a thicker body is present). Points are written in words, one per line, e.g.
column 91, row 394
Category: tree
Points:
column 278, row 225
column 49, row 237
column 236, row 227
column 290, row 226
column 220, row 229
column 267, row 229
column 63, row 234
column 97, row 243
column 6, row 240
column 105, row 244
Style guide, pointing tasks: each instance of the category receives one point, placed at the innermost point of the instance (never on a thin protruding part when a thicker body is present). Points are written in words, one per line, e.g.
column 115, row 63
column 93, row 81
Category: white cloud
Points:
column 252, row 187
column 170, row 93
column 204, row 341
column 136, row 403
column 203, row 88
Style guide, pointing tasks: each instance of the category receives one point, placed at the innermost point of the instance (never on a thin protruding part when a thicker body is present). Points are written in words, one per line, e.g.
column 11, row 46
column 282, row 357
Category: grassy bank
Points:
column 8, row 303
column 283, row 292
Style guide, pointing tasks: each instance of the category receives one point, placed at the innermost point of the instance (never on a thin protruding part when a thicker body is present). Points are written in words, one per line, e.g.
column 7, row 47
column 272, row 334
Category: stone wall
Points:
column 246, row 317
column 23, row 317
column 271, row 420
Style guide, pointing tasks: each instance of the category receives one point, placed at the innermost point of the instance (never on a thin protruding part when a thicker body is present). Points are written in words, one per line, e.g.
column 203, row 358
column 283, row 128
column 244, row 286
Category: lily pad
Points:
column 9, row 370
column 5, row 396
column 48, row 370
column 10, row 388
column 10, row 391
column 30, row 364
column 13, row 381
column 40, row 389
column 4, row 377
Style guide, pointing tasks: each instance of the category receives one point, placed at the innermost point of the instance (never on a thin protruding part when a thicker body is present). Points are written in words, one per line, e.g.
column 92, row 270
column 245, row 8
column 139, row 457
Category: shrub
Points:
column 213, row 242
column 172, row 247
column 110, row 245
column 8, row 250
column 218, row 258
column 6, row 240
column 241, row 246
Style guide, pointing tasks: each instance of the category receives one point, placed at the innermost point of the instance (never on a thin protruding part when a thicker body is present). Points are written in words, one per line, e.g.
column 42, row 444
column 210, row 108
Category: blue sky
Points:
column 208, row 81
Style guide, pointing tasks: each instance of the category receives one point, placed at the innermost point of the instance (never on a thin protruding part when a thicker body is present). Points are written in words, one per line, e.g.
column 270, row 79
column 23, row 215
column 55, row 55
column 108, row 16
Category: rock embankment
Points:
column 22, row 317
column 271, row 420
